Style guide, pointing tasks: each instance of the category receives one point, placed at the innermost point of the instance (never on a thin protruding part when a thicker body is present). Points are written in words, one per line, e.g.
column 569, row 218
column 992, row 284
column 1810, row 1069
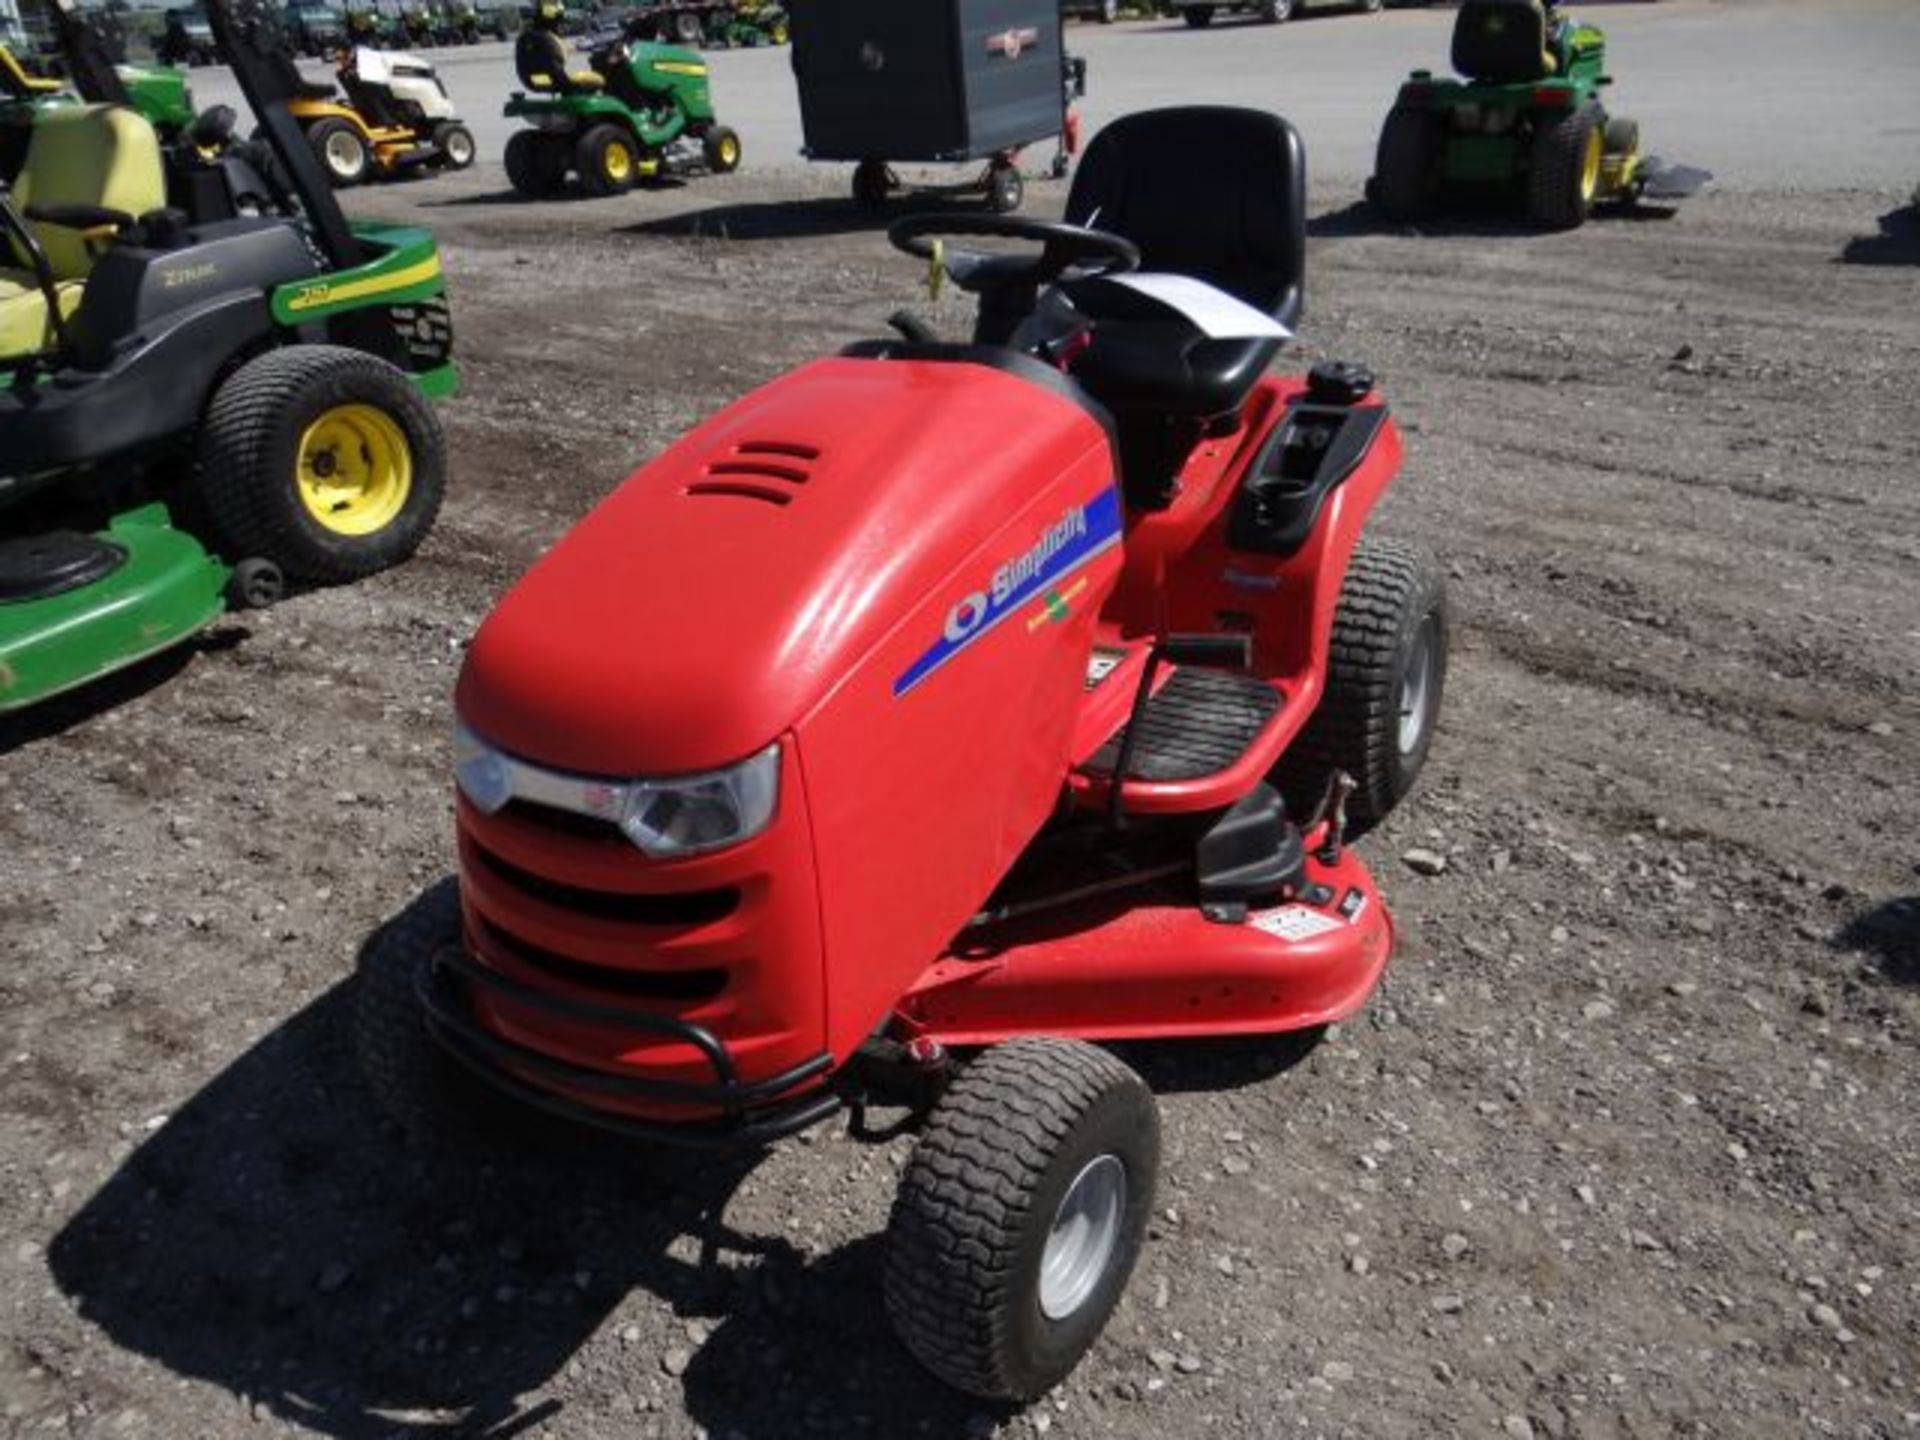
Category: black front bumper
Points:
column 751, row 1113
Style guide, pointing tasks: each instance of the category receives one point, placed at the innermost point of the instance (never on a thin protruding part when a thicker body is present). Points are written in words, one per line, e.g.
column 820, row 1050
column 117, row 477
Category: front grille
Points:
column 567, row 822
column 686, row 986
column 672, row 908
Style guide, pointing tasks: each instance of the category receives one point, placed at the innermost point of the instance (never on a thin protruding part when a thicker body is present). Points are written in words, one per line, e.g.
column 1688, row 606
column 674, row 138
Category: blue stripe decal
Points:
column 1070, row 542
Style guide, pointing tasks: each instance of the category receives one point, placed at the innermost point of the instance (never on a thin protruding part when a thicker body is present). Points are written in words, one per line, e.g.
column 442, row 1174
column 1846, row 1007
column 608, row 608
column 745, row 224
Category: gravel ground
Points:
column 1625, row 1146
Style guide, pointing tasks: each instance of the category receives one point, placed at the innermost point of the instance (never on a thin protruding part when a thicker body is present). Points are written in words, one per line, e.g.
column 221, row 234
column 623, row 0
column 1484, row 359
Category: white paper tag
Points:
column 1216, row 314
column 1295, row 922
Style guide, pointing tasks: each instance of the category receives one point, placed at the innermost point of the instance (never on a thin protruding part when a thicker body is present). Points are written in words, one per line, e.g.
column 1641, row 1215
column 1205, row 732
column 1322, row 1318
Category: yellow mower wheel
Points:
column 355, row 469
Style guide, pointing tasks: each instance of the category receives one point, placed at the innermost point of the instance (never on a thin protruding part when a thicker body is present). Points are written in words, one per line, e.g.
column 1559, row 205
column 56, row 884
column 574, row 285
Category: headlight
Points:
column 483, row 774
column 692, row 813
column 667, row 818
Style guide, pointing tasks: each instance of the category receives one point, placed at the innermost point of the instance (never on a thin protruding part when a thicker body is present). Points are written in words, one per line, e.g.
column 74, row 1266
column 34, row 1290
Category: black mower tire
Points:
column 1198, row 17
column 423, row 1090
column 245, row 486
column 1394, row 598
column 335, row 143
column 1559, row 195
column 689, row 29
column 998, row 1154
column 721, row 147
column 1108, row 12
column 594, row 154
column 1005, row 189
column 1406, row 164
column 455, row 143
column 1272, row 12
column 536, row 164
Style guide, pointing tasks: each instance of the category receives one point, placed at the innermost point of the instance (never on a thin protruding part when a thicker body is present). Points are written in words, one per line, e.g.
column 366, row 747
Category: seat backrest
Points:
column 1503, row 41
column 540, row 57
column 99, row 155
column 1210, row 191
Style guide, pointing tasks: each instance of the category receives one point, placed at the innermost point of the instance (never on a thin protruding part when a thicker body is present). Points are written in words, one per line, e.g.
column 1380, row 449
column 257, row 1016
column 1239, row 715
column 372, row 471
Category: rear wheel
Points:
column 342, row 152
column 688, row 30
column 1565, row 179
column 722, row 148
column 455, row 143
column 1198, row 17
column 1406, row 166
column 1108, row 12
column 326, row 461
column 607, row 160
column 1386, row 676
column 1021, row 1214
column 1272, row 12
column 536, row 163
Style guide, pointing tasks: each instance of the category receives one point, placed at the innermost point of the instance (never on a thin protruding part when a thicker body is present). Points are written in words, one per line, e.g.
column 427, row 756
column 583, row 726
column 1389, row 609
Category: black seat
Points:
column 1502, row 41
column 1212, row 192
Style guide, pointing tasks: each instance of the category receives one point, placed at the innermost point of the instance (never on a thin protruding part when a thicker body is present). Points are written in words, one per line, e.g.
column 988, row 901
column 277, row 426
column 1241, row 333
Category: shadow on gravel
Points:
column 76, row 707
column 273, row 1240
column 270, row 1238
column 1891, row 934
column 1465, row 220
column 512, row 197
column 798, row 219
column 1898, row 242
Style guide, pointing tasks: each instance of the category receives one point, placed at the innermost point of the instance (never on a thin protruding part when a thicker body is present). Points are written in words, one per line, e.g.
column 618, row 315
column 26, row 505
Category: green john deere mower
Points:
column 1524, row 123
column 643, row 109
column 210, row 384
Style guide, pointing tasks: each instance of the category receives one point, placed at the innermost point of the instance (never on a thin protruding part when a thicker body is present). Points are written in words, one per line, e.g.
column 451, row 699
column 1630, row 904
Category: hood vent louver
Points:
column 764, row 470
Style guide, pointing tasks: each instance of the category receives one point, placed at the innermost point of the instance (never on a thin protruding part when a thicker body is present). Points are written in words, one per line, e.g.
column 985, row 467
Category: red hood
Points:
column 717, row 596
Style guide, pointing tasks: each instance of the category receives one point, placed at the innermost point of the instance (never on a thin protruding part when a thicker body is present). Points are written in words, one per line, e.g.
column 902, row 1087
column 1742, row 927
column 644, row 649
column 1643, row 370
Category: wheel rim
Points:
column 619, row 161
column 355, row 469
column 460, row 149
column 1083, row 1237
column 1590, row 166
column 1417, row 685
column 345, row 153
column 729, row 152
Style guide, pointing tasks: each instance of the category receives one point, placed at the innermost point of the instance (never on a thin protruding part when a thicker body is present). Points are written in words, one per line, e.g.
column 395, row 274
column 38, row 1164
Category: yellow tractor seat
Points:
column 93, row 157
column 540, row 58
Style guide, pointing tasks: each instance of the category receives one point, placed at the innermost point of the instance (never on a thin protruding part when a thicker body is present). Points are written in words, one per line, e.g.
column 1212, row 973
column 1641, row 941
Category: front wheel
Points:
column 722, row 149
column 1386, row 676
column 1198, row 17
column 1272, row 12
column 606, row 160
column 327, row 461
column 872, row 184
column 1021, row 1214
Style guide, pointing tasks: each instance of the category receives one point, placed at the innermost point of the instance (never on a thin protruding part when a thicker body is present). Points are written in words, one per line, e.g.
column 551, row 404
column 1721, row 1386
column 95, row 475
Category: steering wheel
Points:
column 979, row 271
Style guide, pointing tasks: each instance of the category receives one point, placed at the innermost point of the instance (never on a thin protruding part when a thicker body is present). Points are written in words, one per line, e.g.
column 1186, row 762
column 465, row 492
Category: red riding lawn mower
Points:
column 935, row 711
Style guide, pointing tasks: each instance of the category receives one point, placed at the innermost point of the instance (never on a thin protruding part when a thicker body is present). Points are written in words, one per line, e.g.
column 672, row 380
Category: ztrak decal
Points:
column 1072, row 540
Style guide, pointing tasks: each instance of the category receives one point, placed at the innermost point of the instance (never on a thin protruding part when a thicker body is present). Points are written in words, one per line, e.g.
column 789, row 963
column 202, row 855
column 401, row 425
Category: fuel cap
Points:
column 1337, row 382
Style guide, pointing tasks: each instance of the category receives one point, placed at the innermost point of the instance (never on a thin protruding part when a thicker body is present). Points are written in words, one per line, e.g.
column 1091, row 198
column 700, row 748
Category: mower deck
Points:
column 63, row 623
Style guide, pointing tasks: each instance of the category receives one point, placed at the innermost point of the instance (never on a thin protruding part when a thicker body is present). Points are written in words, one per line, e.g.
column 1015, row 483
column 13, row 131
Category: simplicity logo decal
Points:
column 1072, row 540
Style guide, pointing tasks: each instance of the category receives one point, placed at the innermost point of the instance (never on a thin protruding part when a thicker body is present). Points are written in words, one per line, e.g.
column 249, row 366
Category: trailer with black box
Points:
column 934, row 82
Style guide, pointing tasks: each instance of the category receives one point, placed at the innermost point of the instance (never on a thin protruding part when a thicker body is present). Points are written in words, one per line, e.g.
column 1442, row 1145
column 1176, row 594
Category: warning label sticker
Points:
column 1295, row 922
column 1101, row 664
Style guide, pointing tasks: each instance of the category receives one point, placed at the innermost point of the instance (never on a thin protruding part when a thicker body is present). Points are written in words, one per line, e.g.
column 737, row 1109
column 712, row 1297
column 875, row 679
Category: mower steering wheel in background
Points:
column 980, row 272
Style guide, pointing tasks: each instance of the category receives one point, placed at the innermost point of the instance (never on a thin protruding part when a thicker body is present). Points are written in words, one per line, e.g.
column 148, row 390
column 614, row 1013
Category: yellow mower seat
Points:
column 102, row 156
column 540, row 58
